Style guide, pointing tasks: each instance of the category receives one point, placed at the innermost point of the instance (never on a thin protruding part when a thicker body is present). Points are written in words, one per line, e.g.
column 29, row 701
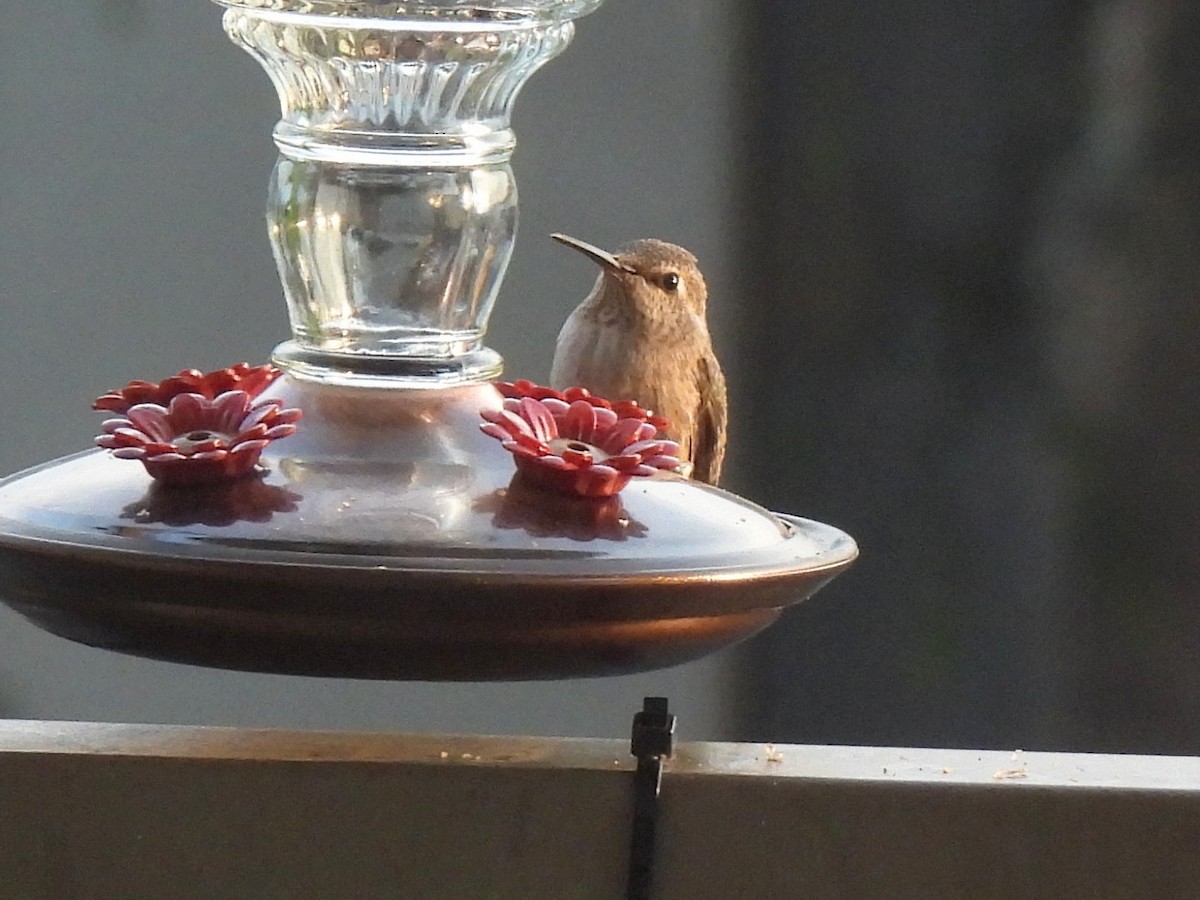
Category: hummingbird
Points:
column 642, row 335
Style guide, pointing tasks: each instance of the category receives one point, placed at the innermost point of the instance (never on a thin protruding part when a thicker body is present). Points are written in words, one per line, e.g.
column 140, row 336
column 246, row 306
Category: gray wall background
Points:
column 136, row 148
column 977, row 226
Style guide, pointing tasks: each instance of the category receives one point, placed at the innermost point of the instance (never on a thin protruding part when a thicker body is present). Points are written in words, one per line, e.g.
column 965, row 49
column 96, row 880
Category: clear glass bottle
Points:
column 393, row 209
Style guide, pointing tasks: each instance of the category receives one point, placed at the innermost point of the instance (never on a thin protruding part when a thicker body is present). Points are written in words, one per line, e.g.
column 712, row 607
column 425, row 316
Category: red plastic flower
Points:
column 625, row 409
column 577, row 448
column 241, row 377
column 197, row 439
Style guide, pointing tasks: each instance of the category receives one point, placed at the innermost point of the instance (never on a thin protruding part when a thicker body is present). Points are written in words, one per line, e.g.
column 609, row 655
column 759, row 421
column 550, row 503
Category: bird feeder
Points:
column 388, row 537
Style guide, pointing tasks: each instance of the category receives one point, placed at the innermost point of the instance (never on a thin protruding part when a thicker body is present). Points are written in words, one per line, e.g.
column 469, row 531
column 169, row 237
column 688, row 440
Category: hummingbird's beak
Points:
column 603, row 257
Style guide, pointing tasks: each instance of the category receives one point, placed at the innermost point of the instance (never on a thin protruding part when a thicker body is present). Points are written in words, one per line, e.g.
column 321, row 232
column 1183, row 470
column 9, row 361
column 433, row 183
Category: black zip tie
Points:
column 653, row 741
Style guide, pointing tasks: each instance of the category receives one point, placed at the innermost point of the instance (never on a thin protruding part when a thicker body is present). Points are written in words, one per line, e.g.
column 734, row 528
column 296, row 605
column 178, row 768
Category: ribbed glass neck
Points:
column 494, row 12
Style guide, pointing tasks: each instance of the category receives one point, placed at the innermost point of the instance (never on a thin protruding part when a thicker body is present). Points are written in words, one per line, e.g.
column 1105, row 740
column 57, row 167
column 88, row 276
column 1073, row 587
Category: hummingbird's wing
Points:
column 708, row 449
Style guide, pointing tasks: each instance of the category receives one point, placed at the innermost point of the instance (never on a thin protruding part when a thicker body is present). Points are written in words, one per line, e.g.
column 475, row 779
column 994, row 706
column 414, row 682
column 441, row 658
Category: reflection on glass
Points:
column 542, row 513
column 247, row 499
column 383, row 503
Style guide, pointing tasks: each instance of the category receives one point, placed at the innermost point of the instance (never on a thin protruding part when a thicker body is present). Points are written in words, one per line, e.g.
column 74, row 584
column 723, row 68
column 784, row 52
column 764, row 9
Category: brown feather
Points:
column 708, row 454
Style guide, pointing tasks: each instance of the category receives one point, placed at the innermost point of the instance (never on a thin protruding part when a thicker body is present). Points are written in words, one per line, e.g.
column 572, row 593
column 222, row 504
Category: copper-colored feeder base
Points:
column 376, row 548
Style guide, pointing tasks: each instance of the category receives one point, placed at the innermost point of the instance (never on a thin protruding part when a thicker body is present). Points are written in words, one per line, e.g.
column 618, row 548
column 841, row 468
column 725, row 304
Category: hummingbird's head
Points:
column 655, row 275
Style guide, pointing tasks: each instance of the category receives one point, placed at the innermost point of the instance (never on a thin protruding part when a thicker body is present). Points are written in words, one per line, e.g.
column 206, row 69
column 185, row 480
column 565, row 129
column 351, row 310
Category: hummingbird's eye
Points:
column 670, row 282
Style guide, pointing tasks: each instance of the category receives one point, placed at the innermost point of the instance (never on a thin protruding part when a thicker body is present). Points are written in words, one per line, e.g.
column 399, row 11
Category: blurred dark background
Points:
column 952, row 250
column 972, row 283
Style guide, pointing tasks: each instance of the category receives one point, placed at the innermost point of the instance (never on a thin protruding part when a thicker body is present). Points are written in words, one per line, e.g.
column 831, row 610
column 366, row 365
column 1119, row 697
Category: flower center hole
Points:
column 198, row 436
column 579, row 446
